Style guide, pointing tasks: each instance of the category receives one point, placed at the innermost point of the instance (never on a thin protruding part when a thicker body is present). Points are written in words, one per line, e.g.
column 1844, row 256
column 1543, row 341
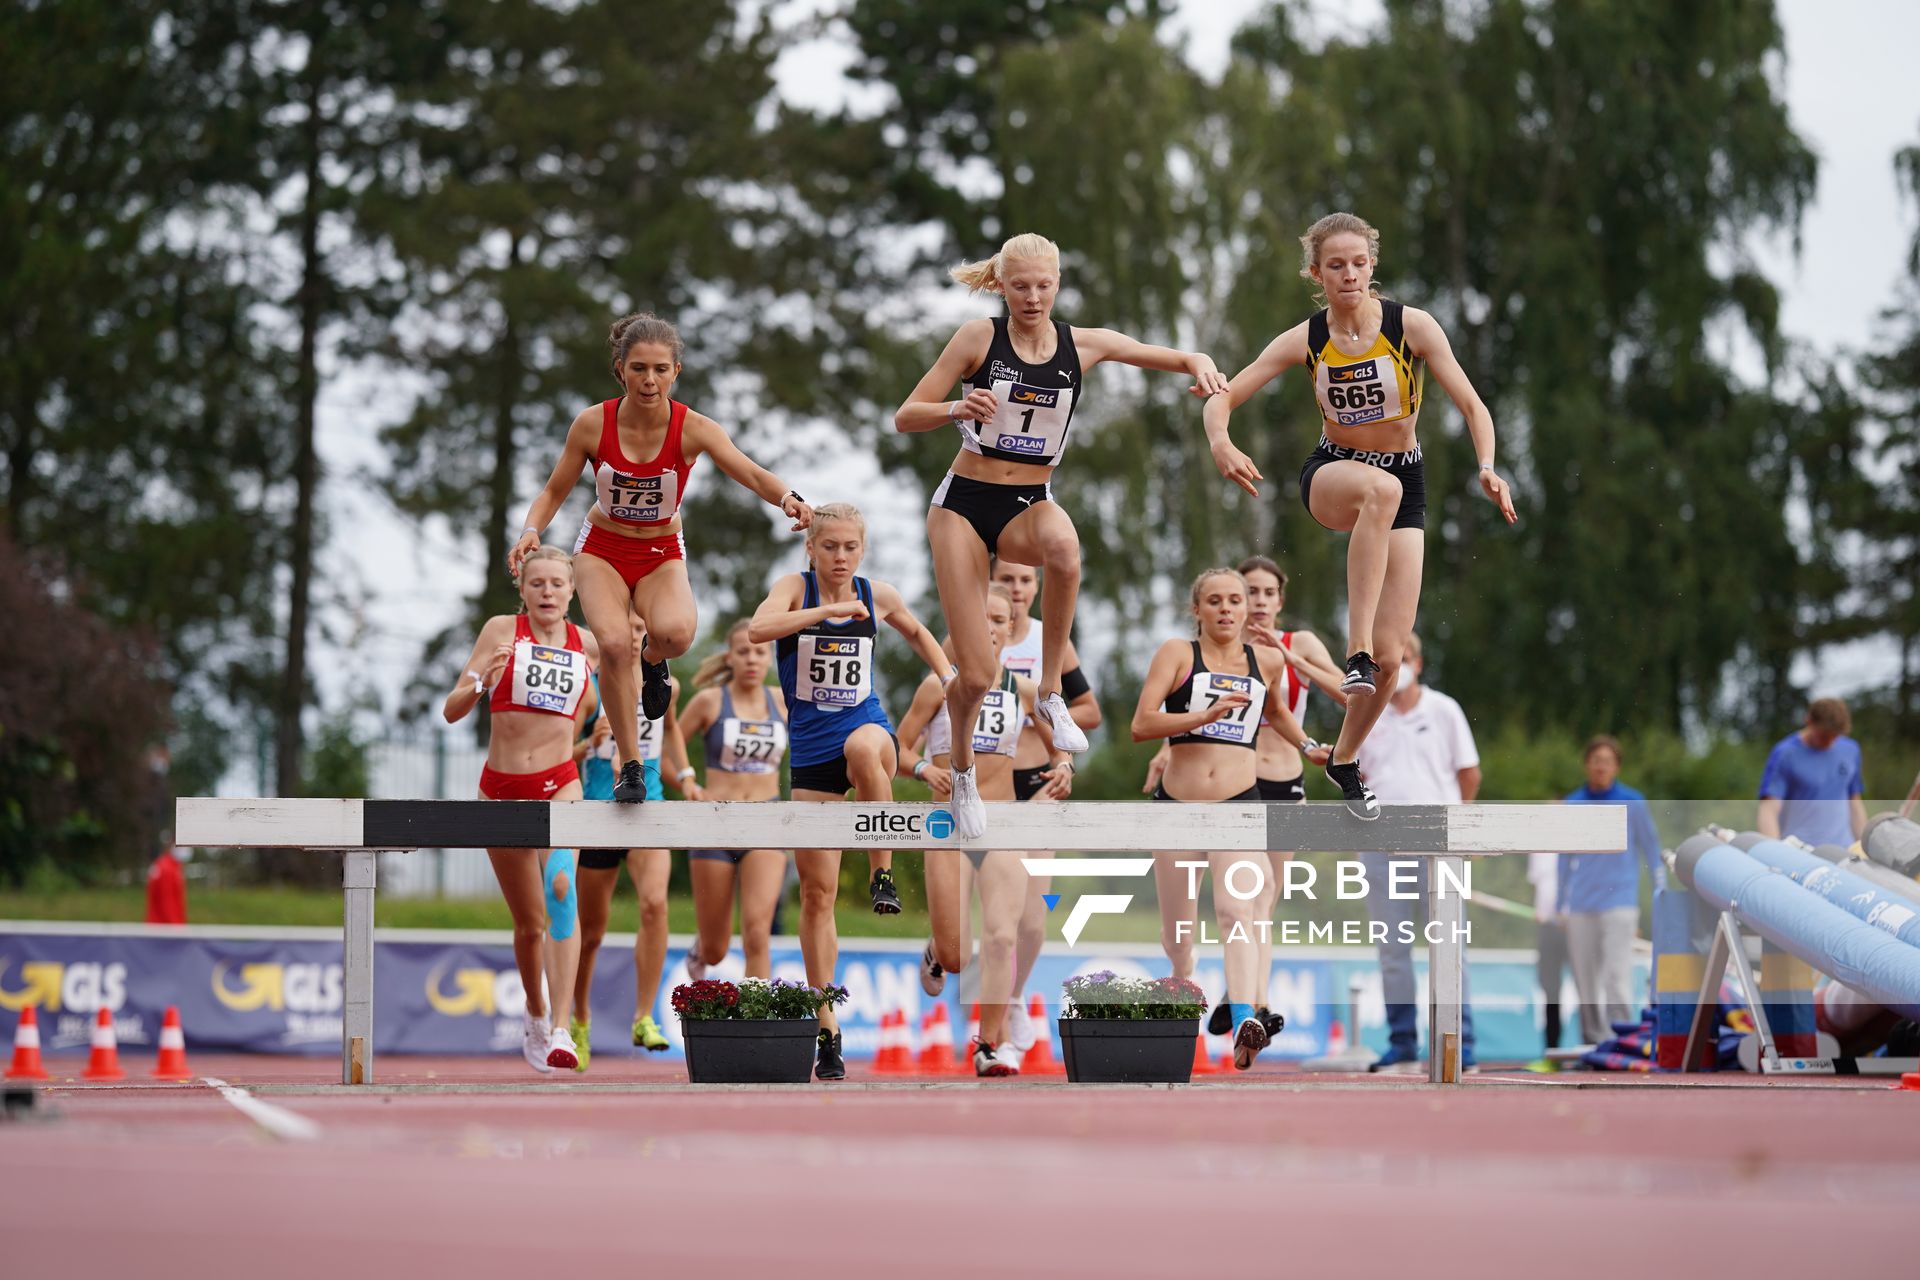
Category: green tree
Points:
column 139, row 423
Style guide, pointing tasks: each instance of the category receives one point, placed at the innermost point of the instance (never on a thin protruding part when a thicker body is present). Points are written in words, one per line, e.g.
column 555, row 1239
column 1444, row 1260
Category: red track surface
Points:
column 475, row 1167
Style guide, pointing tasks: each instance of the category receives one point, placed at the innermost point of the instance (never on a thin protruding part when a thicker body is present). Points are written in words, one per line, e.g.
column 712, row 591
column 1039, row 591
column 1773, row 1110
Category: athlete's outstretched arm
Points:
column 704, row 435
column 925, row 408
column 1096, row 345
column 780, row 614
column 1169, row 667
column 1308, row 656
column 927, row 700
column 1429, row 341
column 485, row 665
column 1272, row 671
column 582, row 436
column 894, row 612
column 1285, row 351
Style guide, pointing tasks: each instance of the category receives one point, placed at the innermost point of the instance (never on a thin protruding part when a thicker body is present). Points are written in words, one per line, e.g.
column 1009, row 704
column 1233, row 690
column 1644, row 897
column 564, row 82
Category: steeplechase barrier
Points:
column 360, row 829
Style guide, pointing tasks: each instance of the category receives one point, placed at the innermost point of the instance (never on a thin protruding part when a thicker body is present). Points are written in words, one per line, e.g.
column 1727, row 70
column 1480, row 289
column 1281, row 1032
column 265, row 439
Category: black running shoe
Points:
column 1273, row 1022
column 1361, row 669
column 1220, row 1021
column 1248, row 1041
column 632, row 787
column 827, row 1062
column 1354, row 790
column 656, row 689
column 886, row 898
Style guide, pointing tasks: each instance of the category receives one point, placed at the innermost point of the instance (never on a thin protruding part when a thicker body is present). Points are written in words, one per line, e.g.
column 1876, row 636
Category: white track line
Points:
column 286, row 1125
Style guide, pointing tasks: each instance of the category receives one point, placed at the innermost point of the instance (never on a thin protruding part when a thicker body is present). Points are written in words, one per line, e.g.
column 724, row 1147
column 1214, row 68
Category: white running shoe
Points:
column 988, row 1063
column 1020, row 1029
column 533, row 1043
column 1010, row 1057
column 1052, row 710
column 696, row 968
column 561, row 1053
column 933, row 979
column 969, row 814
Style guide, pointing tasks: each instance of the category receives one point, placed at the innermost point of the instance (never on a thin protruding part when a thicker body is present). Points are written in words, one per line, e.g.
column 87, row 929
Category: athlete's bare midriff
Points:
column 996, row 471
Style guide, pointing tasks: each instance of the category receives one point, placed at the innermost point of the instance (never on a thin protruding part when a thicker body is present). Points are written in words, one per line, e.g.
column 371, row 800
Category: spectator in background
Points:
column 1420, row 752
column 1812, row 785
column 1599, row 896
column 1550, row 945
column 166, row 885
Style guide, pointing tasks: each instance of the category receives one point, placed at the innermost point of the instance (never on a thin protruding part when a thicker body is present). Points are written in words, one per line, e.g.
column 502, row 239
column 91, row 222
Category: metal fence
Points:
column 430, row 762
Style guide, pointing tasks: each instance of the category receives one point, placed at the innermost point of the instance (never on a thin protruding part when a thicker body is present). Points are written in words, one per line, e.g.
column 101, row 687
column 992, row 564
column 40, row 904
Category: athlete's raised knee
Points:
column 671, row 637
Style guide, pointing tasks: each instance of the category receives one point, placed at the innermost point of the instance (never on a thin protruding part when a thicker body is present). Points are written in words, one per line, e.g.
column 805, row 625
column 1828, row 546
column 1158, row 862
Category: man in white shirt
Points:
column 1420, row 752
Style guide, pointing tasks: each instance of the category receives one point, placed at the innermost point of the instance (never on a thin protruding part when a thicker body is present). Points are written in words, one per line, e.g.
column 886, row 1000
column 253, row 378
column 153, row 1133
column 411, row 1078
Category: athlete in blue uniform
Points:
column 825, row 621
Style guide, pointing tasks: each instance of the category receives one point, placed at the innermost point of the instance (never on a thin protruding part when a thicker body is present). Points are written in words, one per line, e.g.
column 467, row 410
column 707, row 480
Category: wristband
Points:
column 953, row 411
column 795, row 495
column 479, row 685
column 684, row 774
column 1486, row 466
column 528, row 529
column 919, row 770
column 950, row 677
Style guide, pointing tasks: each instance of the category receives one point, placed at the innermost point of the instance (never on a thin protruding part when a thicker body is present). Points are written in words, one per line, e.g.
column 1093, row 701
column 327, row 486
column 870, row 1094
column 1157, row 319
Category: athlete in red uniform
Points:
column 533, row 668
column 631, row 552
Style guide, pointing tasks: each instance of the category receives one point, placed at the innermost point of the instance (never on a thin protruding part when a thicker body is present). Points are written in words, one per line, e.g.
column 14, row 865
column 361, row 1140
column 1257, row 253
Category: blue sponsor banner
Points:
column 280, row 990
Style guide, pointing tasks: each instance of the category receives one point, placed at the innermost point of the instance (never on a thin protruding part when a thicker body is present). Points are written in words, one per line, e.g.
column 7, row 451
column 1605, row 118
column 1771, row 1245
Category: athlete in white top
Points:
column 1001, row 877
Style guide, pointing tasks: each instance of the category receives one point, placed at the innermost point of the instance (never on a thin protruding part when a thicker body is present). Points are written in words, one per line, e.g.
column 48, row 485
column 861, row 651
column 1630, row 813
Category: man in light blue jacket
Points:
column 1600, row 898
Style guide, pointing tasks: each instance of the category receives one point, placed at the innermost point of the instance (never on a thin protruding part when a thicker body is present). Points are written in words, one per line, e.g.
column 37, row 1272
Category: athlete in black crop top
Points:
column 1209, row 696
column 1021, row 382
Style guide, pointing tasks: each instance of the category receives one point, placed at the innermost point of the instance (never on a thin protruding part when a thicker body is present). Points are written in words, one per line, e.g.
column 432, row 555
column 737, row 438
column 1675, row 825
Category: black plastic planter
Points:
column 757, row 1051
column 1125, row 1051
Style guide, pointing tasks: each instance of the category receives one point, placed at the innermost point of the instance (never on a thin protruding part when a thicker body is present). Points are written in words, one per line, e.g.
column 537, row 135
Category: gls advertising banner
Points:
column 280, row 991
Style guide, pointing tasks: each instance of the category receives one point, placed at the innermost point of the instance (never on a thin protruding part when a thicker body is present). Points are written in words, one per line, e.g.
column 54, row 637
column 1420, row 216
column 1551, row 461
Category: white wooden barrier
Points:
column 360, row 829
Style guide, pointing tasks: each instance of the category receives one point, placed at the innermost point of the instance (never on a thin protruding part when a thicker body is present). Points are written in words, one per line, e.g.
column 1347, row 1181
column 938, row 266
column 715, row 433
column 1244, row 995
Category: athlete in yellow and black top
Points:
column 1366, row 476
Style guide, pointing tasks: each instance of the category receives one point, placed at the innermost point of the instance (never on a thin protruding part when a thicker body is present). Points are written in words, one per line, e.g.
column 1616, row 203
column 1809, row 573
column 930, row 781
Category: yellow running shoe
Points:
column 582, row 1029
column 647, row 1034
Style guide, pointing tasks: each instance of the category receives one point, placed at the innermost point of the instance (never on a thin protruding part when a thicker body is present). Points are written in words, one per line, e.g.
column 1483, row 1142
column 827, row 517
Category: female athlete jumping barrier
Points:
column 1000, row 875
column 663, row 756
column 1208, row 696
column 825, row 621
column 631, row 553
column 746, row 739
column 1366, row 476
column 533, row 669
column 1020, row 382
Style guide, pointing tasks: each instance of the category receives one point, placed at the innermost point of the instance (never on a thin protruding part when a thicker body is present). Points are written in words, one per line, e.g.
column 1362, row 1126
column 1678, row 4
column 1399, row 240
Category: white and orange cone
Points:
column 26, row 1048
column 172, row 1064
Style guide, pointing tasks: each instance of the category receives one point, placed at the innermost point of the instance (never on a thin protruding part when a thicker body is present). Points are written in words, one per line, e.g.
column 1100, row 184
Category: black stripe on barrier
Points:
column 1329, row 828
column 457, row 824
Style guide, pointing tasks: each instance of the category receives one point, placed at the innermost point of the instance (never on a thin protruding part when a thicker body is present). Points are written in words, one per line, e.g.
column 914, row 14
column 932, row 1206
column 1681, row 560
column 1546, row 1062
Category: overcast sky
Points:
column 1853, row 94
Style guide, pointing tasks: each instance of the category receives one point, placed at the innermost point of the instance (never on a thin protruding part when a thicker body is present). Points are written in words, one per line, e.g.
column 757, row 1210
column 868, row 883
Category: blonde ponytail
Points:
column 717, row 667
column 986, row 275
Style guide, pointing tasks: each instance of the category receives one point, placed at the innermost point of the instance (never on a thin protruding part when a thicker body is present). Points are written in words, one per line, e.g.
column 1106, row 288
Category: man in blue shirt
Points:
column 1812, row 784
column 1599, row 896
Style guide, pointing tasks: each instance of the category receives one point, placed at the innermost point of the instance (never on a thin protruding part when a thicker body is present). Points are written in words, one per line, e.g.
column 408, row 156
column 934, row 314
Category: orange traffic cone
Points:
column 936, row 1043
column 173, row 1049
column 104, row 1062
column 1336, row 1039
column 891, row 1060
column 1040, row 1060
column 1202, row 1064
column 26, row 1048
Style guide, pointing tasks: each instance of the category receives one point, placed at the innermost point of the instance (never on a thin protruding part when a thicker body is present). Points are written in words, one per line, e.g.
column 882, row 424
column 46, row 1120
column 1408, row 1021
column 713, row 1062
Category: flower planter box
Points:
column 749, row 1051
column 1128, row 1051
